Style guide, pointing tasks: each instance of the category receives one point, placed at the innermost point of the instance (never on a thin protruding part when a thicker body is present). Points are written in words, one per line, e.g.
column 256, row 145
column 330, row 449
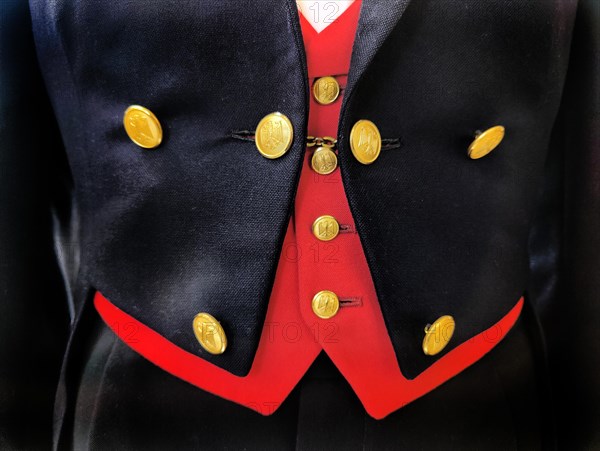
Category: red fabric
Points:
column 356, row 339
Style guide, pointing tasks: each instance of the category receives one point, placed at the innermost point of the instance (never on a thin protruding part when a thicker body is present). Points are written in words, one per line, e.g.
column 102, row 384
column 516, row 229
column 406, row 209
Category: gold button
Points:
column 142, row 127
column 485, row 142
column 326, row 90
column 438, row 334
column 324, row 161
column 210, row 333
column 325, row 228
column 274, row 134
column 325, row 304
column 365, row 141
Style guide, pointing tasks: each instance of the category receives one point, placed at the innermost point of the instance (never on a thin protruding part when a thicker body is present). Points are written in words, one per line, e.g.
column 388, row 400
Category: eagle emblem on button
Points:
column 274, row 135
column 365, row 141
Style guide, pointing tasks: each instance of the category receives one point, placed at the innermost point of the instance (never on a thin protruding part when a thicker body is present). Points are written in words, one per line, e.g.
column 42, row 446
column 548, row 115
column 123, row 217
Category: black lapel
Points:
column 376, row 21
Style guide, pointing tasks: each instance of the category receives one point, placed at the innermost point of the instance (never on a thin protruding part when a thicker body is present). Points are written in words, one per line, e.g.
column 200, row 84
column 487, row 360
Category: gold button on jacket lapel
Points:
column 274, row 135
column 142, row 127
column 438, row 335
column 365, row 141
column 486, row 141
column 210, row 333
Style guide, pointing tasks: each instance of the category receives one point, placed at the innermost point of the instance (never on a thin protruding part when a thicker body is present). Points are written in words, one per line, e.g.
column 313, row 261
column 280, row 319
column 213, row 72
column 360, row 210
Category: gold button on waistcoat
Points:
column 486, row 141
column 325, row 304
column 325, row 228
column 326, row 90
column 142, row 127
column 324, row 161
column 438, row 334
column 274, row 135
column 365, row 141
column 210, row 333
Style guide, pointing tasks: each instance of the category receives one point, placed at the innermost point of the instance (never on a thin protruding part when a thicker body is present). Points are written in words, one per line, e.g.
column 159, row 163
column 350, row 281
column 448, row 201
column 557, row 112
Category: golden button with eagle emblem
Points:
column 325, row 228
column 324, row 161
column 142, row 127
column 485, row 142
column 438, row 334
column 325, row 304
column 210, row 333
column 365, row 141
column 326, row 90
column 274, row 135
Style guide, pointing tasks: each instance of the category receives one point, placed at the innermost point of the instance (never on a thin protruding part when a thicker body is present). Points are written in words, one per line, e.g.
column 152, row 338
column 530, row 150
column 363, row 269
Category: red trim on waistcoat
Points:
column 276, row 365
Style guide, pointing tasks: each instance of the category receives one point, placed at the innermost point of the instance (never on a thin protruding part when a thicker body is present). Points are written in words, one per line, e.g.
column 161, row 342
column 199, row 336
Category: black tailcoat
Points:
column 198, row 224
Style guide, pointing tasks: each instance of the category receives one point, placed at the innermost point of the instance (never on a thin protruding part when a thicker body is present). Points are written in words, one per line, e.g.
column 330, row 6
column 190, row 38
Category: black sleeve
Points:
column 566, row 243
column 34, row 314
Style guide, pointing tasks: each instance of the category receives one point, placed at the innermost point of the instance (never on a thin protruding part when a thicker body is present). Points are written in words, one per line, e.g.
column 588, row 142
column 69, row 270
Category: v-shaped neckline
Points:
column 320, row 14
